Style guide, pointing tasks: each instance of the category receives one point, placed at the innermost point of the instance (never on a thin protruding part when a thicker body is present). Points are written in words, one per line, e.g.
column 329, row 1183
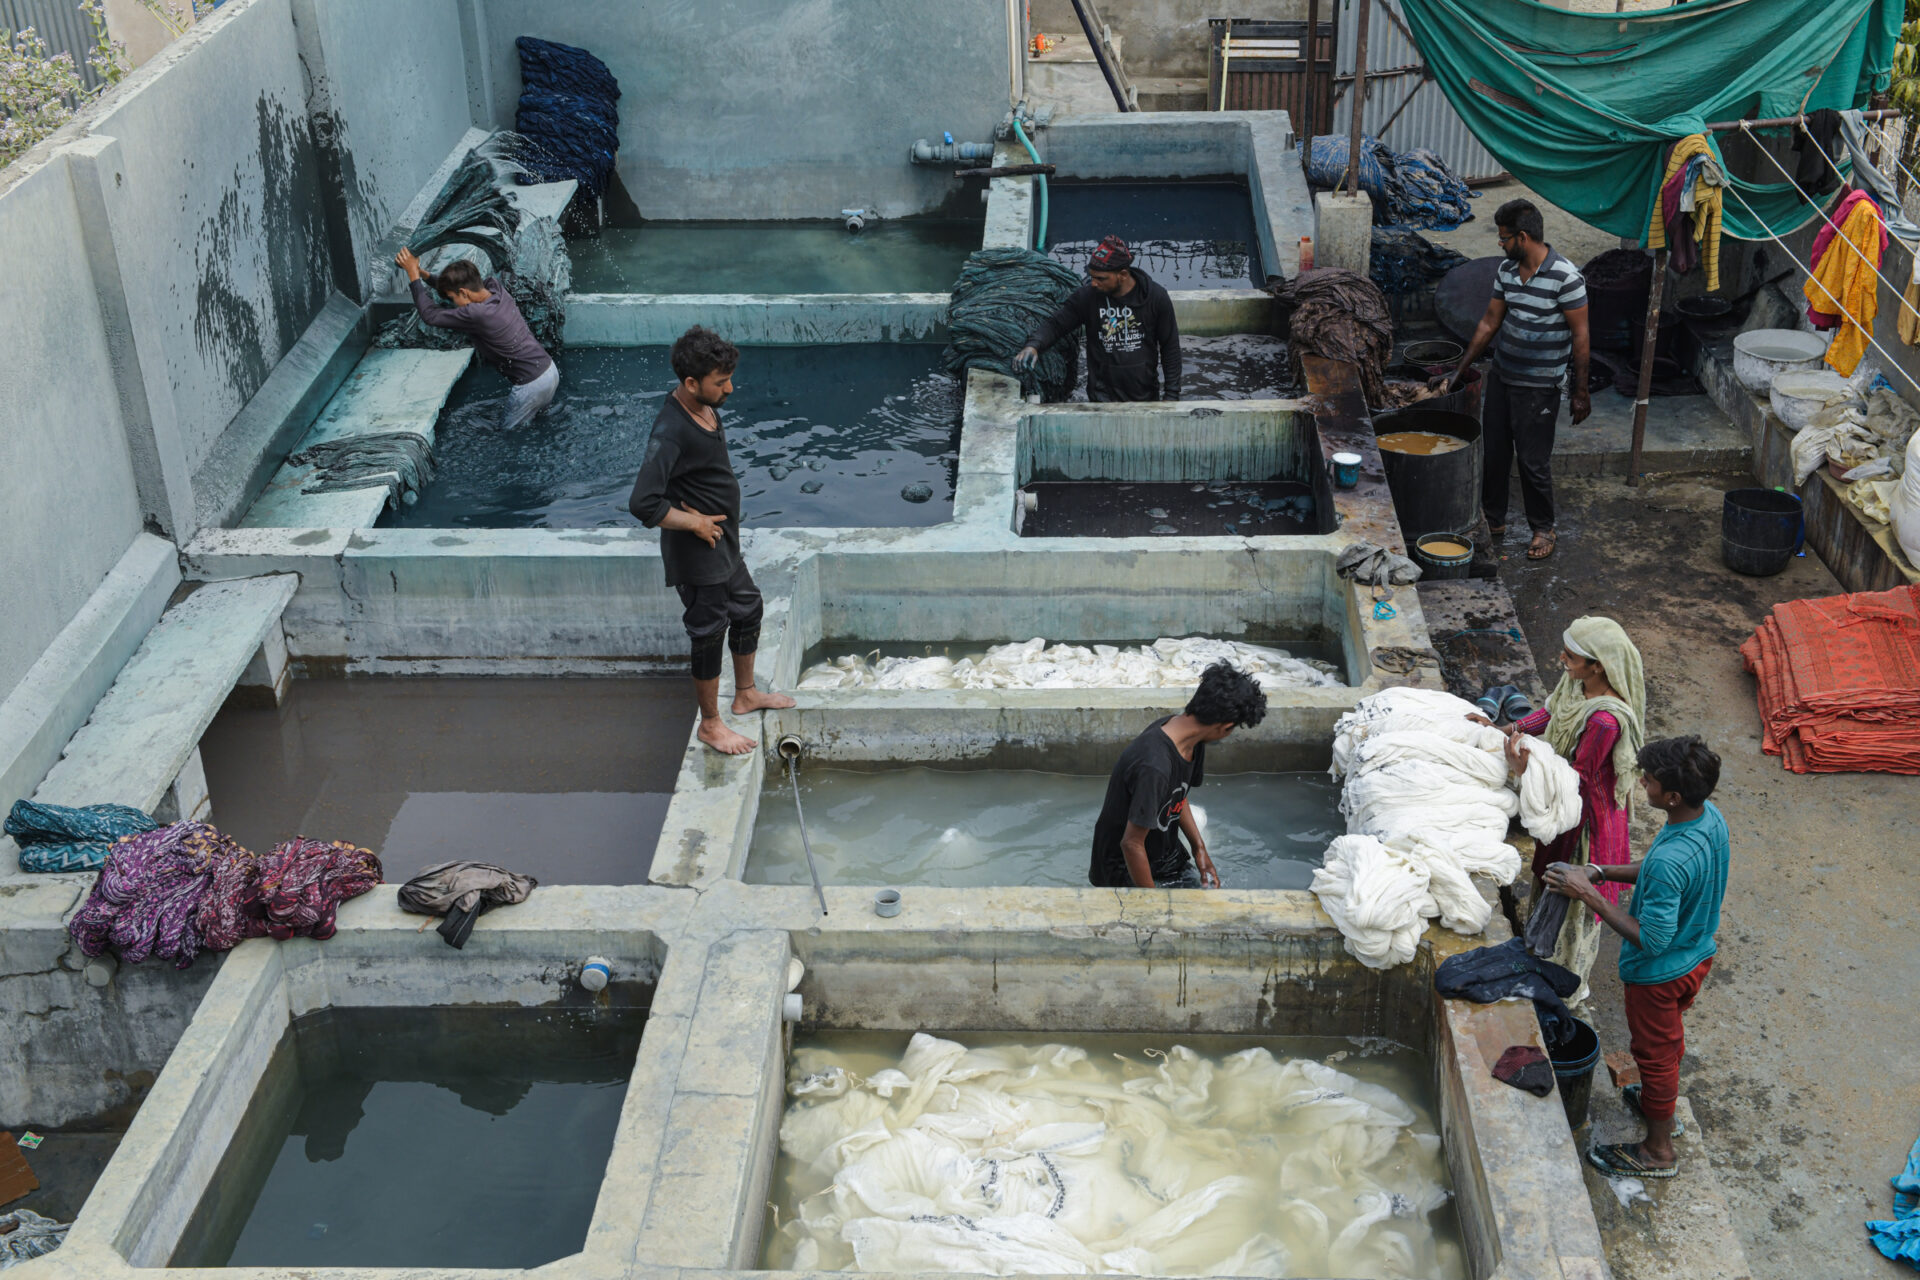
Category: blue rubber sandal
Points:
column 1631, row 1096
column 1623, row 1160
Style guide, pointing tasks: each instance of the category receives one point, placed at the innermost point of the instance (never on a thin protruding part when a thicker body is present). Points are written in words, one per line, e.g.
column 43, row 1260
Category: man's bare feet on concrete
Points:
column 717, row 735
column 752, row 699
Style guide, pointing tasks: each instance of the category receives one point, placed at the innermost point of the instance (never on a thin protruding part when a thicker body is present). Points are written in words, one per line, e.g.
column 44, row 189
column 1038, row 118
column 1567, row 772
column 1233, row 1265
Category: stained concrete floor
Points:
column 1800, row 1063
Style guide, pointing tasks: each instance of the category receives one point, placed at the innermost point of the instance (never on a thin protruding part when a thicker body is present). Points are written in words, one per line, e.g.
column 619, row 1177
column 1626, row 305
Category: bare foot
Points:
column 756, row 699
column 715, row 734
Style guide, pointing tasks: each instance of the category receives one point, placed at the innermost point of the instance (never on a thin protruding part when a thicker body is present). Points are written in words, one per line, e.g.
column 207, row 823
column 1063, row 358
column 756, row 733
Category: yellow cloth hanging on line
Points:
column 1707, row 201
column 1847, row 284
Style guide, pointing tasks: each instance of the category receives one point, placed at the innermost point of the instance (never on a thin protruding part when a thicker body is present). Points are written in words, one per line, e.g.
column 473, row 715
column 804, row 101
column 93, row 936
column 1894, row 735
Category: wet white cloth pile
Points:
column 1035, row 664
column 1428, row 802
column 1044, row 1159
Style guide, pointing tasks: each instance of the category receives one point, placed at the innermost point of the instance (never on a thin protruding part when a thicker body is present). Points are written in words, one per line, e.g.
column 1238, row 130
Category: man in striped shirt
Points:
column 1536, row 323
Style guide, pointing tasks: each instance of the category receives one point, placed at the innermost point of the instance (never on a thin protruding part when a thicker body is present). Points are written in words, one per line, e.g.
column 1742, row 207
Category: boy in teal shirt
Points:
column 1667, row 936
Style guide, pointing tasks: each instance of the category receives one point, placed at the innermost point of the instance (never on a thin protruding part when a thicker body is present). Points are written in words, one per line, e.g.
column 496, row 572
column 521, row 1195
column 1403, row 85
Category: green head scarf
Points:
column 1604, row 641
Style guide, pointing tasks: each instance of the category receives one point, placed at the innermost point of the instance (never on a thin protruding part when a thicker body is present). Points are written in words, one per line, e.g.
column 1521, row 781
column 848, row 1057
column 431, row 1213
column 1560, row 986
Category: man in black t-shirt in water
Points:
column 1133, row 344
column 687, row 490
column 1134, row 840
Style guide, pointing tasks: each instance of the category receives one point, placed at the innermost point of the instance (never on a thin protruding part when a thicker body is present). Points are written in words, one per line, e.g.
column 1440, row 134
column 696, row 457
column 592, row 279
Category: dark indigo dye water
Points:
column 907, row 255
column 1235, row 366
column 1108, row 509
column 1186, row 235
column 824, row 436
column 565, row 780
column 461, row 1136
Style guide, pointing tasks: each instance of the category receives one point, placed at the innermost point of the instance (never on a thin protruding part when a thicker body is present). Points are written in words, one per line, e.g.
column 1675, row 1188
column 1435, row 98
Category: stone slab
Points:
column 1477, row 634
column 1673, row 1229
column 389, row 391
column 147, row 727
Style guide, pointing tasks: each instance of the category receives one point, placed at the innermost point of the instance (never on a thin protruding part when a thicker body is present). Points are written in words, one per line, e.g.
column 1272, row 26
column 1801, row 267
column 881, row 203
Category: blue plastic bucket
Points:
column 1346, row 470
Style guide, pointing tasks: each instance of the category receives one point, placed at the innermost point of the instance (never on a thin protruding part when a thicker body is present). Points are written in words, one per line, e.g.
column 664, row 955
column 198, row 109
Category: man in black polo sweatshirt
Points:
column 1133, row 344
column 687, row 490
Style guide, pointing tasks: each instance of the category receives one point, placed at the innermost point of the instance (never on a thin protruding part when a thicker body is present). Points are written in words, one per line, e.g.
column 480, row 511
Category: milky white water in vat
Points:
column 973, row 827
column 1140, row 1155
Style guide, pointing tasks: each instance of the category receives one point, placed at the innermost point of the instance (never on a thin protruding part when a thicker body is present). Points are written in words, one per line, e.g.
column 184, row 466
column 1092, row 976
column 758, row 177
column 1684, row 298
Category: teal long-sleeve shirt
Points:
column 1677, row 900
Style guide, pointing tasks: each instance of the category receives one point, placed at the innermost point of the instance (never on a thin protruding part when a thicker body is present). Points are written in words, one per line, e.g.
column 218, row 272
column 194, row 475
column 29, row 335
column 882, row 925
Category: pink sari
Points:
column 1602, row 821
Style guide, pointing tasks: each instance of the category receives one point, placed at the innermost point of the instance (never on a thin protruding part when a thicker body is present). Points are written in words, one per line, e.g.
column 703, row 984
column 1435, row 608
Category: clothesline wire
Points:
column 1826, row 217
column 1871, row 341
column 1897, row 292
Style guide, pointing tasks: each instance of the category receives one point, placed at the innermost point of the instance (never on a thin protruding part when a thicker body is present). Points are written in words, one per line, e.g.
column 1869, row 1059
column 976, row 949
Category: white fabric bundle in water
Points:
column 1034, row 664
column 1043, row 1159
column 1428, row 802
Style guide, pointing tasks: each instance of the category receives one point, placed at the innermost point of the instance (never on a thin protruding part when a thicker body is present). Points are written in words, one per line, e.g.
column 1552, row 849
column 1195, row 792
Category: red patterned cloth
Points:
column 302, row 883
column 1839, row 682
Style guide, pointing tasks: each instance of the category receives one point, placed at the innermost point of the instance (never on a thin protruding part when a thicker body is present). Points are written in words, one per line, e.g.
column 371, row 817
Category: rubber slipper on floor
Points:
column 1622, row 1160
column 1542, row 552
column 1631, row 1096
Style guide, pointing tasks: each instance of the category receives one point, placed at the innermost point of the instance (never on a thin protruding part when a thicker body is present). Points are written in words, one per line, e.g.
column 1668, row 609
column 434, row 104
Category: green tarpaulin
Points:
column 1583, row 106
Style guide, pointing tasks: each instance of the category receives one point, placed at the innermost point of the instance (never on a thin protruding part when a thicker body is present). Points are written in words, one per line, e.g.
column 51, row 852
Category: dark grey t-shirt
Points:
column 500, row 332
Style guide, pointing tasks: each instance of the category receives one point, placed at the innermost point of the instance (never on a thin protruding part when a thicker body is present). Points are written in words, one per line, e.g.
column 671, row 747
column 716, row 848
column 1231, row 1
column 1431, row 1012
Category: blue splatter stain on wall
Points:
column 281, row 223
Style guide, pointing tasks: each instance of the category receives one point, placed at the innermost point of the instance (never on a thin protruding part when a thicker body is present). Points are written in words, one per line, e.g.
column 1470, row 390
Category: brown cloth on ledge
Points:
column 1341, row 315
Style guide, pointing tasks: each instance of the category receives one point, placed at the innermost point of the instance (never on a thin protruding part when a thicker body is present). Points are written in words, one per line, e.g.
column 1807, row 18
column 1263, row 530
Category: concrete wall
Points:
column 70, row 507
column 387, row 104
column 1165, row 37
column 775, row 108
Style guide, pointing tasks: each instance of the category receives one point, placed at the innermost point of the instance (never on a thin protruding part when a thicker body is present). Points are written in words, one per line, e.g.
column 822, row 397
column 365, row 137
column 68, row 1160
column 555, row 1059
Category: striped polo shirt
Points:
column 1534, row 342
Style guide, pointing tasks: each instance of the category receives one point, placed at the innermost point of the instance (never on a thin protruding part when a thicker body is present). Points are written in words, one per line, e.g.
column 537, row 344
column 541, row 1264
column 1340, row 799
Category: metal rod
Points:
column 1006, row 171
column 1226, row 59
column 1359, row 99
column 793, row 776
column 1100, row 56
column 1781, row 121
column 1646, row 366
column 1313, row 68
column 1402, row 107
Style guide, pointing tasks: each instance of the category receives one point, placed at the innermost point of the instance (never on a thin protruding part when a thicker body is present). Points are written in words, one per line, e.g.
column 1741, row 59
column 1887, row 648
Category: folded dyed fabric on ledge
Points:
column 55, row 838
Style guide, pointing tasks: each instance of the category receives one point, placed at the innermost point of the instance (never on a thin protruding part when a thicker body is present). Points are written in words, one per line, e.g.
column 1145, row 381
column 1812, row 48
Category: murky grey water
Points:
column 955, row 827
column 1234, row 366
column 1152, row 1154
column 564, row 780
column 1116, row 509
column 435, row 1137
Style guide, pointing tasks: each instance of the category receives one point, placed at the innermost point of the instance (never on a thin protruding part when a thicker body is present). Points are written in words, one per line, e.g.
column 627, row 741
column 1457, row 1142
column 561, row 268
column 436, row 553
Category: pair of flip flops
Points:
column 1504, row 702
column 1623, row 1159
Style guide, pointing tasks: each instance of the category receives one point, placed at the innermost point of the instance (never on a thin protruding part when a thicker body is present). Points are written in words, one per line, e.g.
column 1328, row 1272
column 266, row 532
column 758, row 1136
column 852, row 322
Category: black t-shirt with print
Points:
column 1132, row 340
column 1149, row 788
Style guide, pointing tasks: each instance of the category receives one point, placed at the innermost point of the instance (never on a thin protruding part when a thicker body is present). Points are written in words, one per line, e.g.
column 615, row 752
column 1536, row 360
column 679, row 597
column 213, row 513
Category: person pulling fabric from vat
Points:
column 1667, row 938
column 1133, row 340
column 1134, row 841
column 486, row 310
column 1536, row 323
column 1594, row 719
column 687, row 489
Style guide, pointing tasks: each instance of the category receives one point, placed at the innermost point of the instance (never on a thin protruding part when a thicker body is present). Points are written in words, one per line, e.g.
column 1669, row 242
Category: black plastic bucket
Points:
column 1761, row 530
column 1573, row 1064
column 1436, row 566
column 1433, row 493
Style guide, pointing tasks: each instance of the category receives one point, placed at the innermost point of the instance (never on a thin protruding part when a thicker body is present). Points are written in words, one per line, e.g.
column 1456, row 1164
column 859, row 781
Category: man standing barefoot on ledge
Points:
column 688, row 491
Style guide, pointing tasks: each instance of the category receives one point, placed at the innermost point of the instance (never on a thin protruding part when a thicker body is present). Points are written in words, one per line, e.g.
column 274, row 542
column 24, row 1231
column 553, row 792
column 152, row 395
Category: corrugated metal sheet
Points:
column 58, row 22
column 1428, row 120
column 1267, row 69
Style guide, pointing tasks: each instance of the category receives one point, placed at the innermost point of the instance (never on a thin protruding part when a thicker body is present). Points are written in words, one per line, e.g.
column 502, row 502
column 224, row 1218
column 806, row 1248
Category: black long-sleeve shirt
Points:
column 687, row 466
column 1127, row 337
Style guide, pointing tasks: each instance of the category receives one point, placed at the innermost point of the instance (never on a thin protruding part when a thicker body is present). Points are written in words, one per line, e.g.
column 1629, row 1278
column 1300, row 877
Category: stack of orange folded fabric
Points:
column 1840, row 682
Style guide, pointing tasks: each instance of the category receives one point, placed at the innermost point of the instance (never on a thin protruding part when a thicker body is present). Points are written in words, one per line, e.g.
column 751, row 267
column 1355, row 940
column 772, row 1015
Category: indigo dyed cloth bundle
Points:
column 999, row 298
column 568, row 112
column 55, row 838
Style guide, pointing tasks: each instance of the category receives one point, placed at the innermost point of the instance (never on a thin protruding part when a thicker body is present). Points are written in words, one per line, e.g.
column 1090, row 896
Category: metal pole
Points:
column 1646, row 364
column 1780, row 121
column 1100, row 56
column 1313, row 68
column 1359, row 99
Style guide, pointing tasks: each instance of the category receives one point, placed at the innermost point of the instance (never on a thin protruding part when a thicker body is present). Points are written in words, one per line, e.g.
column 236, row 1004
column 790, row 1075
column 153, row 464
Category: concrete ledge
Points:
column 756, row 320
column 59, row 691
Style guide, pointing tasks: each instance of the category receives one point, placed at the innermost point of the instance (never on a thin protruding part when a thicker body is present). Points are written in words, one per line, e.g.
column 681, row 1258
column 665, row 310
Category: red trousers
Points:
column 1658, row 1037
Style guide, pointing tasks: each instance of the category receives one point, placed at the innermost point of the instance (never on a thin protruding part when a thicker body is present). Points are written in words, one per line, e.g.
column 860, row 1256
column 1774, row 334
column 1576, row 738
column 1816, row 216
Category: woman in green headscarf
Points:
column 1595, row 719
